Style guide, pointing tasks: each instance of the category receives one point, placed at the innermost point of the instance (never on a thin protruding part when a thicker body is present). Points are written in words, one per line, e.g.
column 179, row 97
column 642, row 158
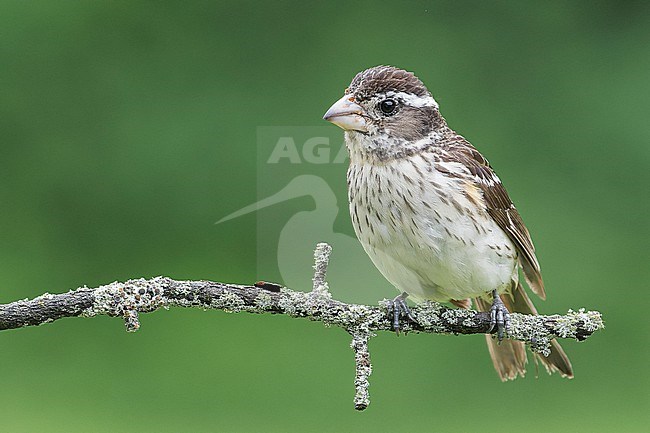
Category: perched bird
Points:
column 432, row 214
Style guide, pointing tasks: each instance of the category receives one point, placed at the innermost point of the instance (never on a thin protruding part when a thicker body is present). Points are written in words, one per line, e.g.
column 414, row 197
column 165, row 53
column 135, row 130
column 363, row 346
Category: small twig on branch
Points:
column 322, row 260
column 363, row 369
column 128, row 299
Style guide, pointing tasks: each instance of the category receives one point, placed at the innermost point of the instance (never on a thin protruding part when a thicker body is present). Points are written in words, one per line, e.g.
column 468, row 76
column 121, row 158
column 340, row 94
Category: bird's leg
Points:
column 397, row 307
column 499, row 316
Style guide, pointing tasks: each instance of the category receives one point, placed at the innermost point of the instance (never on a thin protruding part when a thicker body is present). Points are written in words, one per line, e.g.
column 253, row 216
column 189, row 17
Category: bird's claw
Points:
column 499, row 317
column 397, row 307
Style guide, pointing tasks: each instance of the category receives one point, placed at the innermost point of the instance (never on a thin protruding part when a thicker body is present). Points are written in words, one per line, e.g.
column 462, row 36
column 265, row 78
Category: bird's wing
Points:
column 501, row 208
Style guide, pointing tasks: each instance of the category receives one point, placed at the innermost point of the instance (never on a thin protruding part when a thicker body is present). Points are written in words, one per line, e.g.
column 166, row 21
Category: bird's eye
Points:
column 388, row 106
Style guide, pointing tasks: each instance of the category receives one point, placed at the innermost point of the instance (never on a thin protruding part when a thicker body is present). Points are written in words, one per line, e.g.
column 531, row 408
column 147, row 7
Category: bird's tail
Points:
column 509, row 357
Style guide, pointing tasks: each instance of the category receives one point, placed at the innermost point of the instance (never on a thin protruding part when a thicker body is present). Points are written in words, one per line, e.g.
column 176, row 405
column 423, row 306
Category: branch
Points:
column 128, row 299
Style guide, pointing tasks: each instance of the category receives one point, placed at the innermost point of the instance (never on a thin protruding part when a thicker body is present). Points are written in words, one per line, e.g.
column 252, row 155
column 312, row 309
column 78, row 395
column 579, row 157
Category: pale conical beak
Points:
column 347, row 115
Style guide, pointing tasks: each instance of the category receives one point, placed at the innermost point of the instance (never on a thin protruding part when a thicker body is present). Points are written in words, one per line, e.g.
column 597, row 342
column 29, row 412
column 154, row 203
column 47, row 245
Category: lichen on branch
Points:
column 131, row 298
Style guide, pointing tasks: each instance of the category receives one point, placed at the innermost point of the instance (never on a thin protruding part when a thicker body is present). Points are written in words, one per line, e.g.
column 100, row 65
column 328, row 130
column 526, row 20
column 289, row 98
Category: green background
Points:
column 127, row 128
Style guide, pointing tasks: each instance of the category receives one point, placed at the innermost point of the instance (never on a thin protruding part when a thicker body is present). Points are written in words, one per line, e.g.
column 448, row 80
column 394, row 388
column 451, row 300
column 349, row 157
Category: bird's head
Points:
column 387, row 110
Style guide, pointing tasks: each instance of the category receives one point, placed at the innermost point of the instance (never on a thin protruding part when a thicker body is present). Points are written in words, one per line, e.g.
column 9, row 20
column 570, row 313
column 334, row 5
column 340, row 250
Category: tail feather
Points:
column 509, row 357
column 557, row 360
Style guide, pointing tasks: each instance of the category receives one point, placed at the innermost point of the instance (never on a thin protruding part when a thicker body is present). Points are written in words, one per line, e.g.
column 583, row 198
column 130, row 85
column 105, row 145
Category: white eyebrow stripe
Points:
column 414, row 100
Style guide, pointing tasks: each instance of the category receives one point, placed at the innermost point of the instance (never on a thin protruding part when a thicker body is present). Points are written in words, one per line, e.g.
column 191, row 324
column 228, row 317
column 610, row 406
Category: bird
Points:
column 432, row 214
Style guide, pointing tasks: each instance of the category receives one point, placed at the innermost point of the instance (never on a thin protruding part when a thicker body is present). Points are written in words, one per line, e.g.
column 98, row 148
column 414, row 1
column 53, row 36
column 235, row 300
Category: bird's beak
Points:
column 347, row 115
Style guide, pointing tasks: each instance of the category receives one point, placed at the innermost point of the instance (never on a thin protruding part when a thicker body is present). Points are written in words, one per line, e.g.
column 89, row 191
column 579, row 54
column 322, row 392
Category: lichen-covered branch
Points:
column 131, row 298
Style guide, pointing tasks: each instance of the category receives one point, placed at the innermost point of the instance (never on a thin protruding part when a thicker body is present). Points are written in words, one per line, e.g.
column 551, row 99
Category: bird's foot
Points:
column 397, row 307
column 499, row 317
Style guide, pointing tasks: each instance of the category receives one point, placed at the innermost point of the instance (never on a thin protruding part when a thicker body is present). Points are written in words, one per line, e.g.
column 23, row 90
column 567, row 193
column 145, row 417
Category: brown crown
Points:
column 382, row 79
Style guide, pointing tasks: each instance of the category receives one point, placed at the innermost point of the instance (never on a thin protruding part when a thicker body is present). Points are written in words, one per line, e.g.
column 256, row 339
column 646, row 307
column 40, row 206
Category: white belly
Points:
column 427, row 238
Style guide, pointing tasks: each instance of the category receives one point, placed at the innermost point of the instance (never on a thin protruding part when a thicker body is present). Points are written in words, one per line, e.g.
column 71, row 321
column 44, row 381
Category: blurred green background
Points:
column 127, row 128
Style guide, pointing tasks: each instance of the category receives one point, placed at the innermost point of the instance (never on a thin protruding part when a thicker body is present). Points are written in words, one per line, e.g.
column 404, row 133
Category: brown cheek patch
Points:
column 412, row 124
